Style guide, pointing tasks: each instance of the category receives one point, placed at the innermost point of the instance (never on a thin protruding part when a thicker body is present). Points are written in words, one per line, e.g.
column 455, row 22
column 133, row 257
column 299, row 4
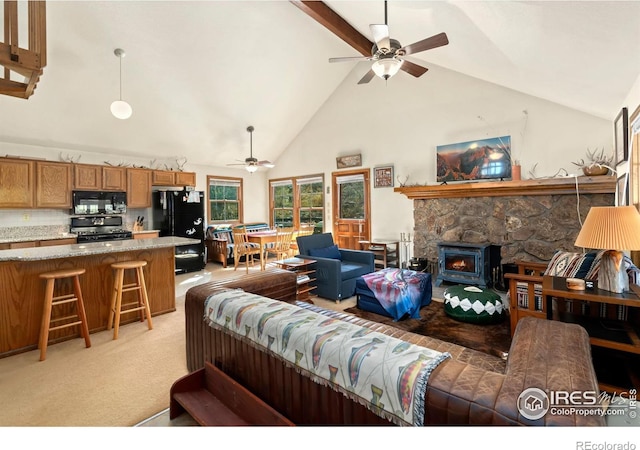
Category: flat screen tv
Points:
column 484, row 159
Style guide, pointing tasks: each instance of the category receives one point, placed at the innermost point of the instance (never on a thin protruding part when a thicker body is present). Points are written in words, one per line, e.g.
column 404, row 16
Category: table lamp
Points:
column 611, row 228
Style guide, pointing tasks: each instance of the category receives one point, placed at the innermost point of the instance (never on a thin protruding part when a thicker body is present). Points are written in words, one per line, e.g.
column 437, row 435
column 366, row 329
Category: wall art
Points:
column 383, row 176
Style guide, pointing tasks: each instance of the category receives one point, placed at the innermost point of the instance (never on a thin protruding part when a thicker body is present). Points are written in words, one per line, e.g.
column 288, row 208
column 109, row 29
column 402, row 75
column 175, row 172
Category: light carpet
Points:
column 112, row 383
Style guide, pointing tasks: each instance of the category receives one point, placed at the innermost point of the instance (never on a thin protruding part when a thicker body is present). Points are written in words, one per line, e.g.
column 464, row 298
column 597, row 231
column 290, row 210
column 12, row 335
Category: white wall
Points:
column 402, row 122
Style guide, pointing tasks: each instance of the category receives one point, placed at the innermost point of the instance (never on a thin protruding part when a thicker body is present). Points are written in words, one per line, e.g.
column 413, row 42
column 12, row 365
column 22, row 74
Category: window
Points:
column 311, row 200
column 296, row 201
column 351, row 196
column 282, row 203
column 225, row 199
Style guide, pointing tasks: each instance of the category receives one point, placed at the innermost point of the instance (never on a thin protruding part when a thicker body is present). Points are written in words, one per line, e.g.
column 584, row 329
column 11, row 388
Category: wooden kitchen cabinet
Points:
column 87, row 177
column 146, row 234
column 53, row 185
column 17, row 183
column 44, row 243
column 185, row 178
column 163, row 178
column 52, row 242
column 171, row 178
column 94, row 177
column 139, row 188
column 114, row 178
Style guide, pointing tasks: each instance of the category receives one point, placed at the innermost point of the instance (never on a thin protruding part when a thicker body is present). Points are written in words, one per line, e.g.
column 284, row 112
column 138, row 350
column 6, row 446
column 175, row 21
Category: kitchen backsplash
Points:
column 33, row 219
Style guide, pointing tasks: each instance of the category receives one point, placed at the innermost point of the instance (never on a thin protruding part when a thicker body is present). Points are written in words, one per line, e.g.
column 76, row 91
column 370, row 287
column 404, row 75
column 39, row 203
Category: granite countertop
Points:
column 91, row 248
column 25, row 234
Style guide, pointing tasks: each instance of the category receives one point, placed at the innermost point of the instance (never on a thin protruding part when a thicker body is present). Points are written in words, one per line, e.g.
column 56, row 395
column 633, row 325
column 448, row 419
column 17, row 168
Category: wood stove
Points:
column 477, row 264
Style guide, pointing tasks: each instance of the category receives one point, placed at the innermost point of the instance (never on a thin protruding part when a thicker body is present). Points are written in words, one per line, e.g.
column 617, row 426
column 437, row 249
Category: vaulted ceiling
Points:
column 197, row 73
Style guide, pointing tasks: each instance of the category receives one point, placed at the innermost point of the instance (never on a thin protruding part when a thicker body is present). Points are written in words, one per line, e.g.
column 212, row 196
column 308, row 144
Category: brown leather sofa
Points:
column 463, row 390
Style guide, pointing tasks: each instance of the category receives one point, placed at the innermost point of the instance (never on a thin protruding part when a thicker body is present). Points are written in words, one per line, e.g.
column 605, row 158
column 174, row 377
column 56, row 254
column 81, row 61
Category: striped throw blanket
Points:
column 387, row 375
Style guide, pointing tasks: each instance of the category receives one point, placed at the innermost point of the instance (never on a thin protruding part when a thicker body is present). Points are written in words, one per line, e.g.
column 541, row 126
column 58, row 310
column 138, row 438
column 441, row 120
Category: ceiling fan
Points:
column 389, row 56
column 251, row 163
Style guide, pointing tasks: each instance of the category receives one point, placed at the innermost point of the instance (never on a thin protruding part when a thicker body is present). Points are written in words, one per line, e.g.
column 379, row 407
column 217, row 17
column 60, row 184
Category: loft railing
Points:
column 21, row 67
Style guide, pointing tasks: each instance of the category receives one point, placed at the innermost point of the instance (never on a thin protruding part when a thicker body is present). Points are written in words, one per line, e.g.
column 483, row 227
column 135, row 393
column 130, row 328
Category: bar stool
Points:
column 50, row 301
column 142, row 303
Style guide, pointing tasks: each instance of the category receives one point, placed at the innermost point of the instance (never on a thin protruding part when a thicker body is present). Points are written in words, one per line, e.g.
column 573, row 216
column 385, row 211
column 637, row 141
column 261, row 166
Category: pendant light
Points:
column 121, row 109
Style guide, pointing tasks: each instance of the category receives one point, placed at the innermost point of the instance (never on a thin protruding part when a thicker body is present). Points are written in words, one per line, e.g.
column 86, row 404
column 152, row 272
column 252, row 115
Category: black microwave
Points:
column 94, row 202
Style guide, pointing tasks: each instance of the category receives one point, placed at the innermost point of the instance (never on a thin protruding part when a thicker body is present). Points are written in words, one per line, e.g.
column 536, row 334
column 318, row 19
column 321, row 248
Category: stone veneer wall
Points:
column 528, row 228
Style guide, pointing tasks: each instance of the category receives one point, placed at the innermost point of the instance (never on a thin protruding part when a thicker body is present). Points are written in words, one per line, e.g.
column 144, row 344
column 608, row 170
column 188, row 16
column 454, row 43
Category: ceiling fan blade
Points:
column 380, row 35
column 367, row 77
column 349, row 58
column 266, row 163
column 426, row 44
column 413, row 69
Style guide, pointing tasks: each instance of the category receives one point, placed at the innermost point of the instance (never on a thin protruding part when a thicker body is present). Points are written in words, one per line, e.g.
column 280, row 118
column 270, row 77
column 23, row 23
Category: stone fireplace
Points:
column 528, row 220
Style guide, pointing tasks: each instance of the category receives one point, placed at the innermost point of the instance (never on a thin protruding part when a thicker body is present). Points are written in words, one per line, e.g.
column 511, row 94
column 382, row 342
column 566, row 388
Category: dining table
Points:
column 263, row 239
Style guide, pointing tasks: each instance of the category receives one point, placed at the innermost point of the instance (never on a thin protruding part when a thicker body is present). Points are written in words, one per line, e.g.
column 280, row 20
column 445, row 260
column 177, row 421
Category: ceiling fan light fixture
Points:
column 387, row 67
column 251, row 168
column 119, row 108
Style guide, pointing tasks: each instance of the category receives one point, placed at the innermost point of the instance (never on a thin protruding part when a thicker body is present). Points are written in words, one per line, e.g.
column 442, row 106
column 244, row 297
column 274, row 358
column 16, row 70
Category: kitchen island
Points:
column 22, row 291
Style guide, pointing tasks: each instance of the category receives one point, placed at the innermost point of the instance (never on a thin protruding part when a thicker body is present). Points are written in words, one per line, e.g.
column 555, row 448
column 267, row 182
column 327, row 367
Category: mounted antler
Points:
column 181, row 162
column 69, row 158
column 402, row 183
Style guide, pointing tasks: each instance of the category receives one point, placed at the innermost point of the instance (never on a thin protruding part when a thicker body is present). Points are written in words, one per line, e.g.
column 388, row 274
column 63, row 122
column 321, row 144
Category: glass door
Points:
column 351, row 208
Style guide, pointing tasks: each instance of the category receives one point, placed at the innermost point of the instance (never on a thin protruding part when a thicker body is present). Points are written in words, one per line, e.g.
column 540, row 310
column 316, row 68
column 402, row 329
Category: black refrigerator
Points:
column 181, row 213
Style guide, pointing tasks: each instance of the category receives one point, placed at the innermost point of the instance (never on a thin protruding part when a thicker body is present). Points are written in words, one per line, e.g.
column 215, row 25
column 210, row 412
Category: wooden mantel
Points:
column 546, row 186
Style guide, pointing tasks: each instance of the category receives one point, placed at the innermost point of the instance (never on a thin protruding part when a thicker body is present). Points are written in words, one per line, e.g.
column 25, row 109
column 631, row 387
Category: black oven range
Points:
column 99, row 229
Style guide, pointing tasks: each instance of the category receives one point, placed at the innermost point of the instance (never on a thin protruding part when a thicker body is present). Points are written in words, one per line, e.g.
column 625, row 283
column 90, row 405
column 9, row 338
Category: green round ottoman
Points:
column 473, row 304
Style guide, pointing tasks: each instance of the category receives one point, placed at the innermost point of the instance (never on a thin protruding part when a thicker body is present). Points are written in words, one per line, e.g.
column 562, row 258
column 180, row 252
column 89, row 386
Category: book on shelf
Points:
column 303, row 279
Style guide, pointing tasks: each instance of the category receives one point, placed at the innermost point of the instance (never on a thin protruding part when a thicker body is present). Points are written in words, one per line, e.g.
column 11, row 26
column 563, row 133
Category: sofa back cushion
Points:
column 570, row 264
column 219, row 232
column 314, row 241
column 224, row 234
column 326, row 252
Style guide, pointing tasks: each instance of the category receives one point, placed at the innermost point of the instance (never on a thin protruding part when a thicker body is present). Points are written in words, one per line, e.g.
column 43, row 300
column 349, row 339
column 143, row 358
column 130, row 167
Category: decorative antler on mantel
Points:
column 402, row 183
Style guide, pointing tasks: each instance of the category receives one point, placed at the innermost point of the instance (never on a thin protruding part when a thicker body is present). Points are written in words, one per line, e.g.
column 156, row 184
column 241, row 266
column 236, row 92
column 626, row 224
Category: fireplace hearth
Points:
column 476, row 264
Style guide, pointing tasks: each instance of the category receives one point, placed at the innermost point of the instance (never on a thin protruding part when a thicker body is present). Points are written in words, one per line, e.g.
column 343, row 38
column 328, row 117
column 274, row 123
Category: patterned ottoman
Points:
column 391, row 281
column 473, row 304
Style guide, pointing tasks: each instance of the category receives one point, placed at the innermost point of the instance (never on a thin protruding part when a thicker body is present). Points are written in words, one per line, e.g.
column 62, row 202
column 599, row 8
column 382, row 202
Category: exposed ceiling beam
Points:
column 337, row 25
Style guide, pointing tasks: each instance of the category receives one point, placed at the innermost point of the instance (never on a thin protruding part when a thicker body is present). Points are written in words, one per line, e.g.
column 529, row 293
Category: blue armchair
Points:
column 336, row 269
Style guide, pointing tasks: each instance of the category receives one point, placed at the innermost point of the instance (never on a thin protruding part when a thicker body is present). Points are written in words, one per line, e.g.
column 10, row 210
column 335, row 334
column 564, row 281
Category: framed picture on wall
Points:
column 621, row 136
column 342, row 162
column 383, row 176
column 622, row 190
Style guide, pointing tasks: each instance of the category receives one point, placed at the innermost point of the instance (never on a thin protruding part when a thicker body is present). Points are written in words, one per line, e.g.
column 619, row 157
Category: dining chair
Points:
column 304, row 230
column 242, row 247
column 282, row 246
